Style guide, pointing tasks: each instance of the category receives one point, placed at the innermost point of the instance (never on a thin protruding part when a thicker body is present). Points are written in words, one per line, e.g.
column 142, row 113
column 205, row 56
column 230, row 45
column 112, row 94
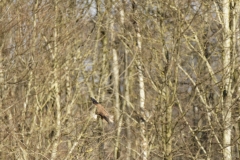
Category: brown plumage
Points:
column 101, row 110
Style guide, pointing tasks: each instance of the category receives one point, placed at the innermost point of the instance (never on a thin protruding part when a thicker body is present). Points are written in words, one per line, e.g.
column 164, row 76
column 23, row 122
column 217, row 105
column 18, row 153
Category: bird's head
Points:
column 94, row 101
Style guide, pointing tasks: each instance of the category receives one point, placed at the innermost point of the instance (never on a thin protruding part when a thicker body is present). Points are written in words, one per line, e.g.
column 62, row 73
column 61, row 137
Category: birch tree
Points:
column 115, row 70
column 144, row 144
column 236, row 47
column 55, row 82
column 227, row 83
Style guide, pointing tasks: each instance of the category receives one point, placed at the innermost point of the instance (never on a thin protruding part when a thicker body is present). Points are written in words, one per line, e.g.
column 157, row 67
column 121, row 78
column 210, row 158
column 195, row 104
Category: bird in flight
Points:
column 101, row 110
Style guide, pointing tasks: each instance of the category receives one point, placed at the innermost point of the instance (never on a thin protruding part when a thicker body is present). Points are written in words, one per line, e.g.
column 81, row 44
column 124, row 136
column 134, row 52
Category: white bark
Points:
column 56, row 87
column 227, row 114
column 118, row 119
column 117, row 101
column 144, row 144
column 127, row 104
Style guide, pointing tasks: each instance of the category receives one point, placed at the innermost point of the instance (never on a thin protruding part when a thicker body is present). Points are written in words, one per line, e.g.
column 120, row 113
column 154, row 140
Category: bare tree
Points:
column 167, row 70
column 143, row 138
column 227, row 83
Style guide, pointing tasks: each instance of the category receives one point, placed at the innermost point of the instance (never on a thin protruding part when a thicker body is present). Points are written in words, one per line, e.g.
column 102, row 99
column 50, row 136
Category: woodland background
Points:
column 167, row 70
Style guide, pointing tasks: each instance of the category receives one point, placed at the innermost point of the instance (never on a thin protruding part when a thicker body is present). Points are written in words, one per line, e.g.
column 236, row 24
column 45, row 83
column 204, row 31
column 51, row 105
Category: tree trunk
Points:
column 143, row 138
column 127, row 105
column 235, row 77
column 227, row 93
column 144, row 144
column 56, row 85
column 118, row 118
column 237, row 44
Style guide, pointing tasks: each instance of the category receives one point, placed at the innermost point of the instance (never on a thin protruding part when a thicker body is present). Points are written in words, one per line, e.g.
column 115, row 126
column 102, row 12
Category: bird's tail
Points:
column 110, row 120
column 94, row 100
